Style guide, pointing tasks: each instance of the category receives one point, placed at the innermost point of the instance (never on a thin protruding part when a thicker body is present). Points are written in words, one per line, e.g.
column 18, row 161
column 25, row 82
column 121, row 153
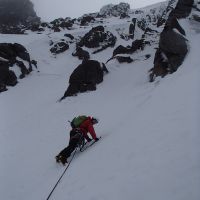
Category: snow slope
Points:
column 150, row 131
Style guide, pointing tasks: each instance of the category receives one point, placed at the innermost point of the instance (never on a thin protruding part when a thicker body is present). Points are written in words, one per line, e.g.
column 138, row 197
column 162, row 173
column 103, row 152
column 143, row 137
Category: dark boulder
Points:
column 9, row 54
column 85, row 77
column 170, row 55
column 12, row 51
column 81, row 54
column 173, row 42
column 172, row 45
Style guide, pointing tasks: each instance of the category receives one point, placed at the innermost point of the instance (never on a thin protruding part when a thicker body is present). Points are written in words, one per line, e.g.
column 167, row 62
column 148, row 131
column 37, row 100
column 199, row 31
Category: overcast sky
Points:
column 52, row 9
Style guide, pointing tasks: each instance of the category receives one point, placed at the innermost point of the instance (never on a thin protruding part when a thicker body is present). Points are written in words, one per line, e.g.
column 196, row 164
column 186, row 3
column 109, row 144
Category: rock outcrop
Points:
column 173, row 44
column 13, row 55
column 16, row 16
column 97, row 37
column 85, row 77
column 115, row 10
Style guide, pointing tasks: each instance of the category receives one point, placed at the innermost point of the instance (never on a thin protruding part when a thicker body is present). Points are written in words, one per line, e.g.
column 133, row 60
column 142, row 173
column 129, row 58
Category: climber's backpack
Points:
column 77, row 121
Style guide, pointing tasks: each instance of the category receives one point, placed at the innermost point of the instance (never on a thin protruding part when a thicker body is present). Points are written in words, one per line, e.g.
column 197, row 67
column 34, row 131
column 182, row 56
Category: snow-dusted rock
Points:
column 13, row 54
column 97, row 37
column 85, row 77
column 115, row 10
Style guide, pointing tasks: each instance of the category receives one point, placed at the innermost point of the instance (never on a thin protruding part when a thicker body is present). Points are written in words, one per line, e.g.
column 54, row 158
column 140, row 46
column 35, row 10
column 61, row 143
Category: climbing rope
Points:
column 61, row 175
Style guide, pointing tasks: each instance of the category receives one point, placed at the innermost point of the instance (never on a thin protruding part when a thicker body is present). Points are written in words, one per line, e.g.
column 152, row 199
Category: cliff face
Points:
column 16, row 13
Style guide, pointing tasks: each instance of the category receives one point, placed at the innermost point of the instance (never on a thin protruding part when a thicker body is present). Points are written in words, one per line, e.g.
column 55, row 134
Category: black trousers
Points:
column 73, row 143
